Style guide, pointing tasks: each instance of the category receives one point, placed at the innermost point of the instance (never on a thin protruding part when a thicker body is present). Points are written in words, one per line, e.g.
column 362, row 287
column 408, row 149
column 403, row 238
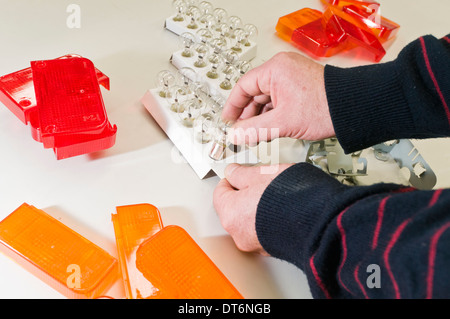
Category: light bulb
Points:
column 229, row 71
column 191, row 3
column 185, row 76
column 242, row 68
column 189, row 113
column 252, row 33
column 220, row 15
column 230, row 56
column 218, row 45
column 193, row 13
column 206, row 7
column 200, row 91
column 223, row 29
column 202, row 53
column 165, row 80
column 187, row 40
column 177, row 96
column 207, row 21
column 241, row 39
column 220, row 142
column 216, row 61
column 180, row 7
column 204, row 35
column 234, row 23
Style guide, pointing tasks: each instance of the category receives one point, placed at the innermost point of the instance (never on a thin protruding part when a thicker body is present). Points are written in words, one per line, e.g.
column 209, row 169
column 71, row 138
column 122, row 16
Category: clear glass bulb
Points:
column 206, row 7
column 207, row 21
column 229, row 71
column 241, row 39
column 252, row 34
column 180, row 7
column 191, row 3
column 189, row 113
column 216, row 61
column 188, row 41
column 165, row 80
column 218, row 45
column 234, row 23
column 242, row 68
column 202, row 130
column 200, row 91
column 185, row 76
column 230, row 56
column 177, row 96
column 223, row 29
column 220, row 15
column 202, row 53
column 204, row 35
column 220, row 142
column 193, row 13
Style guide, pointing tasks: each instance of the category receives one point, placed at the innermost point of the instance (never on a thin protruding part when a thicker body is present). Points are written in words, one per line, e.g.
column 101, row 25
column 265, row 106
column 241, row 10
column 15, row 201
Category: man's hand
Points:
column 236, row 200
column 288, row 93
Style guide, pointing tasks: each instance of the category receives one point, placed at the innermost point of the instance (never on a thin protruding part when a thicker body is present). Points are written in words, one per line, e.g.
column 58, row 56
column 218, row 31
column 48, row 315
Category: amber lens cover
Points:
column 59, row 256
column 133, row 225
column 173, row 262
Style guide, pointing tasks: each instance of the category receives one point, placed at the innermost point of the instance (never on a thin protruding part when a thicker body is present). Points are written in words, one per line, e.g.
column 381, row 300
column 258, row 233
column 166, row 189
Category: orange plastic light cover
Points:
column 173, row 262
column 56, row 254
column 314, row 39
column 289, row 23
column 368, row 5
column 344, row 25
column 133, row 225
column 339, row 22
column 62, row 102
column 383, row 28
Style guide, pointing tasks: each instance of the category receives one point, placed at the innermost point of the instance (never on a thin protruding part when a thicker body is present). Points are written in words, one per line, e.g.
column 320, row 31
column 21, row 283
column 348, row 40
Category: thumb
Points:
column 251, row 131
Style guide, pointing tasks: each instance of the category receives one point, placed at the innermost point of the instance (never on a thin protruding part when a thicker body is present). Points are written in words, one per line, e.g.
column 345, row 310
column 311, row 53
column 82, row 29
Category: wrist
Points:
column 291, row 208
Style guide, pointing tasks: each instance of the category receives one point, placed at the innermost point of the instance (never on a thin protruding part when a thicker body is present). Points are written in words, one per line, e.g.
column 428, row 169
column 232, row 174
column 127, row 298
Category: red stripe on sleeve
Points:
column 317, row 277
column 380, row 214
column 389, row 247
column 344, row 248
column 433, row 78
column 432, row 258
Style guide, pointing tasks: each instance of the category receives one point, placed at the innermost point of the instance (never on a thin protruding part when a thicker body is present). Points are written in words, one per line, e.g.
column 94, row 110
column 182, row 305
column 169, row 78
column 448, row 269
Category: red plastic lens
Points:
column 62, row 102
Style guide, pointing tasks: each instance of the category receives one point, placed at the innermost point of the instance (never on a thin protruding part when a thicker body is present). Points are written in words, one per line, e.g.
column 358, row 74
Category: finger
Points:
column 262, row 99
column 240, row 176
column 253, row 109
column 268, row 107
column 255, row 106
column 251, row 131
column 253, row 83
column 221, row 197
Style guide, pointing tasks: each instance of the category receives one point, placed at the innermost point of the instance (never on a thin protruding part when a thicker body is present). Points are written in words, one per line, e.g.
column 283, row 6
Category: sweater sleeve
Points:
column 405, row 98
column 379, row 241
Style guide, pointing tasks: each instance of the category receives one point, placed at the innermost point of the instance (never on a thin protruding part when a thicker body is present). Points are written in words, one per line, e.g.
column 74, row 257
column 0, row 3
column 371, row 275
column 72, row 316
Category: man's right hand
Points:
column 286, row 93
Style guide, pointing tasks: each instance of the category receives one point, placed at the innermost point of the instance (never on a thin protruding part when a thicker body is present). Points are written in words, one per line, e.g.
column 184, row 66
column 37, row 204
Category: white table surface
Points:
column 126, row 40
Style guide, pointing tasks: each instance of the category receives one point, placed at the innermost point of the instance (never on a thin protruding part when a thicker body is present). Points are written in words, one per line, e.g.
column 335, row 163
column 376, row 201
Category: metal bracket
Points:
column 329, row 156
column 407, row 155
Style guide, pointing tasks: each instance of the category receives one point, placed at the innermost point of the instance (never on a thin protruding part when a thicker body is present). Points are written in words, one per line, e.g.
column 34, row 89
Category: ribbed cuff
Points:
column 292, row 206
column 367, row 105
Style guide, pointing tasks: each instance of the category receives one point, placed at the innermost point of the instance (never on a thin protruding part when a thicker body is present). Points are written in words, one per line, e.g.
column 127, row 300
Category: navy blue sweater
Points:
column 378, row 241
